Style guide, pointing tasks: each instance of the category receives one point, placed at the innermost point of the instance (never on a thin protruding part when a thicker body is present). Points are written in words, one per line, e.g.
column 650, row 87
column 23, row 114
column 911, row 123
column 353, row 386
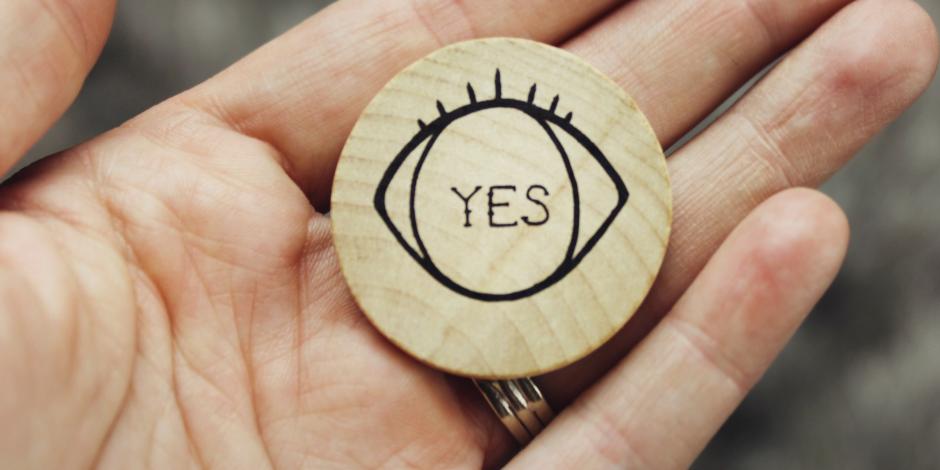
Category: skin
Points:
column 171, row 297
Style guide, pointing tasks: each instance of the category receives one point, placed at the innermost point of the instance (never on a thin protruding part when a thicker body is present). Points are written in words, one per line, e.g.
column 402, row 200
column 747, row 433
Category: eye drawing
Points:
column 487, row 206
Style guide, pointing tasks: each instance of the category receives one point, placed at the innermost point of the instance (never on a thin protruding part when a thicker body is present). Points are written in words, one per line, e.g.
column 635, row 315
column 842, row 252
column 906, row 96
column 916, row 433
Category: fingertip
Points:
column 94, row 19
column 926, row 29
column 801, row 239
column 817, row 213
column 914, row 42
column 765, row 279
column 83, row 24
column 888, row 51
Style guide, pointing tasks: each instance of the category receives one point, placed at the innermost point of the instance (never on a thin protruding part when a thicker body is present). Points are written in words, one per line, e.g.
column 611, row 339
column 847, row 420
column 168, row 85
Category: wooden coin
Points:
column 501, row 209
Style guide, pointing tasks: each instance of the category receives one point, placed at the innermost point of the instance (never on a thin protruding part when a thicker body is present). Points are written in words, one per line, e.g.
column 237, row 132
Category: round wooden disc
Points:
column 501, row 209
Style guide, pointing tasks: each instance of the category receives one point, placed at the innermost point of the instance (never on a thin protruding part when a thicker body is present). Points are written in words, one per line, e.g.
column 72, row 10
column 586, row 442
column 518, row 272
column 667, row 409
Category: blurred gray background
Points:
column 859, row 386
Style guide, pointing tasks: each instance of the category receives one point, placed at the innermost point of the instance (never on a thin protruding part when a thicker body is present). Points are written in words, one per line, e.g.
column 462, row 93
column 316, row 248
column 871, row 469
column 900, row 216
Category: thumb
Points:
column 47, row 48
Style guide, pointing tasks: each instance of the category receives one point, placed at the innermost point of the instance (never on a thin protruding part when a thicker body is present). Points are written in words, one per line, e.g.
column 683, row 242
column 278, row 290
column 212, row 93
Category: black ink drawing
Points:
column 432, row 130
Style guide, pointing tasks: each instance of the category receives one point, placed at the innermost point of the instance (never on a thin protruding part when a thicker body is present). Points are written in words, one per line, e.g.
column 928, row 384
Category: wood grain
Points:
column 501, row 209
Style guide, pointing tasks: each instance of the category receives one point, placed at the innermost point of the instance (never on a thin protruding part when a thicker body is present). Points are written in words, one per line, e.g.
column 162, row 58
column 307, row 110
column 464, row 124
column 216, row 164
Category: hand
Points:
column 171, row 298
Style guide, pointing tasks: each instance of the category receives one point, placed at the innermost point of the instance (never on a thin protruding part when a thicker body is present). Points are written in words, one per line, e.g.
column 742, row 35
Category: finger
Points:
column 797, row 127
column 46, row 49
column 660, row 407
column 679, row 59
column 303, row 92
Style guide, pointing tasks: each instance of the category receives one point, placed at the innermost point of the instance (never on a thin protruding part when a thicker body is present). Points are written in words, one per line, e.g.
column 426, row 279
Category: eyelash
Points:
column 528, row 106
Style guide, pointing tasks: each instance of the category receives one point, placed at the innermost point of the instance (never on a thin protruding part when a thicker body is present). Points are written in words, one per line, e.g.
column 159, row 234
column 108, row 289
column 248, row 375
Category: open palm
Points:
column 171, row 297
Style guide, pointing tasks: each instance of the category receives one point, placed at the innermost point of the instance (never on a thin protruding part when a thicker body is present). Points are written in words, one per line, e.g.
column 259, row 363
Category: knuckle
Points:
column 609, row 440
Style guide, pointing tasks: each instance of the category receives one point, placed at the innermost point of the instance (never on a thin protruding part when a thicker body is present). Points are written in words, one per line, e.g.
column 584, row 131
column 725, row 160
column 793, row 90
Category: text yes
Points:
column 501, row 196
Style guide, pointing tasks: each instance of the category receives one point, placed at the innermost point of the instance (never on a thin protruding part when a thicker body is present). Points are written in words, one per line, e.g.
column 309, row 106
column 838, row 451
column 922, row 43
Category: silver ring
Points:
column 519, row 404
